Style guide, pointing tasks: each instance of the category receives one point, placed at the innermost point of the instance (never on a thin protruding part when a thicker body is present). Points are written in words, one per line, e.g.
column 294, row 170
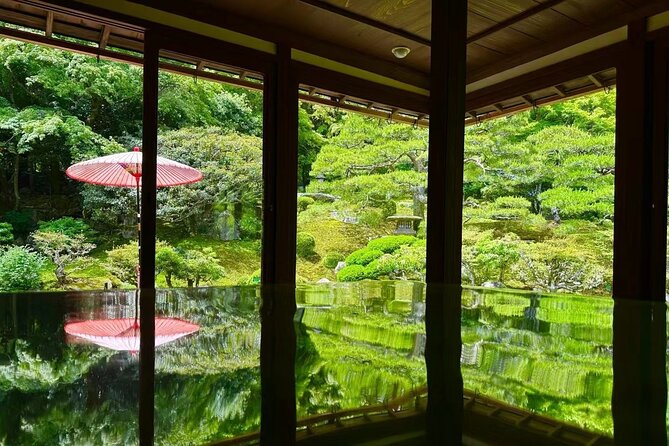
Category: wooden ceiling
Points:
column 502, row 34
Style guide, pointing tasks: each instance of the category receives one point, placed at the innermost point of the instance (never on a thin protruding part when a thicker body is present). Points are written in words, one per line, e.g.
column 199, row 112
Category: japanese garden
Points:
column 538, row 186
column 538, row 217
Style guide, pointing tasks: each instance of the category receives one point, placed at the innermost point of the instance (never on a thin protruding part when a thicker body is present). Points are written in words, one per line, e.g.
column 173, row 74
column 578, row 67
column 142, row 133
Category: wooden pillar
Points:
column 639, row 248
column 277, row 347
column 147, row 258
column 444, row 214
column 639, row 402
column 639, row 399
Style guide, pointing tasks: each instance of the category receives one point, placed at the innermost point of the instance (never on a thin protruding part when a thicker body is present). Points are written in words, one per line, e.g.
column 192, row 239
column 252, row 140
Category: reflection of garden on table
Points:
column 358, row 344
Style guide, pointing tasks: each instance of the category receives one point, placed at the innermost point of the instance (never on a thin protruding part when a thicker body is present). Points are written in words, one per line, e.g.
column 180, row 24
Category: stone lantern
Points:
column 405, row 224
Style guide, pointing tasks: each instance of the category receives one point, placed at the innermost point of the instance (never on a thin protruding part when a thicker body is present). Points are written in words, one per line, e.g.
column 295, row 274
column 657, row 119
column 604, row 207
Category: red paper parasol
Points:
column 123, row 334
column 125, row 170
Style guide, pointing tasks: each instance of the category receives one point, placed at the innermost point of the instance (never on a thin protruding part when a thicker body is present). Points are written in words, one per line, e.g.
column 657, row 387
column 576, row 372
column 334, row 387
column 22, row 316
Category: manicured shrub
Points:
column 306, row 244
column 20, row 269
column 363, row 256
column 331, row 259
column 352, row 273
column 390, row 243
column 407, row 263
column 6, row 233
column 381, row 267
column 304, row 202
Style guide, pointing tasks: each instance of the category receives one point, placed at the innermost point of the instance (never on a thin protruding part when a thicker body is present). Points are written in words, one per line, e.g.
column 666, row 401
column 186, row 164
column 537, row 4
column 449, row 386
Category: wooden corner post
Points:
column 147, row 258
column 639, row 243
column 444, row 216
column 639, row 399
column 277, row 346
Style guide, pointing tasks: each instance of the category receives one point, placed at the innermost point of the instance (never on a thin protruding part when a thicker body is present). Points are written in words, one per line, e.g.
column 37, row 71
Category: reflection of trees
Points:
column 197, row 409
column 540, row 353
column 316, row 389
column 207, row 385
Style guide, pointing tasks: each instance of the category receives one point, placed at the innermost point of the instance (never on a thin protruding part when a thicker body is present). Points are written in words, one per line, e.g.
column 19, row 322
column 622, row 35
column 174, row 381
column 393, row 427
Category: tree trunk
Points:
column 61, row 277
column 190, row 283
column 168, row 280
column 17, row 197
column 237, row 214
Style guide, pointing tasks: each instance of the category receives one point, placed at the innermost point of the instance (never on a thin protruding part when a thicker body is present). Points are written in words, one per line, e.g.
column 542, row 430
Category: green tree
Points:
column 232, row 169
column 123, row 263
column 491, row 259
column 48, row 142
column 64, row 250
column 169, row 262
column 371, row 162
column 309, row 144
column 200, row 266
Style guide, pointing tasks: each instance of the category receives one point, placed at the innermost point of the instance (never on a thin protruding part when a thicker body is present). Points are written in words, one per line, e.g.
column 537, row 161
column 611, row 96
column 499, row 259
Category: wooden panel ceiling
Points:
column 349, row 24
column 94, row 35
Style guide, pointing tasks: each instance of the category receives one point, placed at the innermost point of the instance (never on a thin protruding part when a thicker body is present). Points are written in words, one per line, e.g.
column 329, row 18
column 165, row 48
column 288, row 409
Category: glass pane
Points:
column 538, row 198
column 360, row 263
column 538, row 216
column 209, row 225
column 66, row 375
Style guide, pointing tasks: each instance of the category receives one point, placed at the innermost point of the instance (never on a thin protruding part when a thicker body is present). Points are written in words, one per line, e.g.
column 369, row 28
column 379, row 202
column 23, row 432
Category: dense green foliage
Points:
column 538, row 196
column 391, row 243
column 538, row 186
column 6, row 233
column 19, row 269
column 331, row 259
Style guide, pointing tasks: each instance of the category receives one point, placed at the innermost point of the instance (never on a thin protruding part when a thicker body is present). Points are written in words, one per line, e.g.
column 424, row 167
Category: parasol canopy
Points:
column 123, row 334
column 125, row 170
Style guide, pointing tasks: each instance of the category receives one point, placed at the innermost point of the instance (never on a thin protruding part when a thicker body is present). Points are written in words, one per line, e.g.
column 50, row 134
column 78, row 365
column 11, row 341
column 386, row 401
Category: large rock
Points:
column 492, row 284
column 339, row 267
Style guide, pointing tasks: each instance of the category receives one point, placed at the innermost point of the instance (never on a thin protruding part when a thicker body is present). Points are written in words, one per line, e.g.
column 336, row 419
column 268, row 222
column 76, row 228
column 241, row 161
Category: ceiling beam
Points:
column 547, row 77
column 651, row 8
column 513, row 20
column 589, row 89
column 421, row 40
column 104, row 37
column 320, row 4
column 48, row 28
column 116, row 56
column 559, row 90
column 595, row 80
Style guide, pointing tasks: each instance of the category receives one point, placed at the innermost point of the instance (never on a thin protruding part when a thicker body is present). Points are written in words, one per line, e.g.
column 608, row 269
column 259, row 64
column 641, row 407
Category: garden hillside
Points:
column 538, row 186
